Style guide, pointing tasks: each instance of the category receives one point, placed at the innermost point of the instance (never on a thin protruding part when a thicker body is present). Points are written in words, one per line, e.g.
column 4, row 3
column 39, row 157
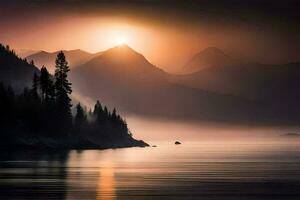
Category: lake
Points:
column 208, row 170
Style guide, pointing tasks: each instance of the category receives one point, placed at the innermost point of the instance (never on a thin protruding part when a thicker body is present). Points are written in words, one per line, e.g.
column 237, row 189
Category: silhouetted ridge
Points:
column 15, row 71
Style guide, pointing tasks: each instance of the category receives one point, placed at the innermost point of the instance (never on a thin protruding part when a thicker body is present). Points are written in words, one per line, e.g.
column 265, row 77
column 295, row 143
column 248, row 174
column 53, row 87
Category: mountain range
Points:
column 230, row 91
column 124, row 78
column 74, row 57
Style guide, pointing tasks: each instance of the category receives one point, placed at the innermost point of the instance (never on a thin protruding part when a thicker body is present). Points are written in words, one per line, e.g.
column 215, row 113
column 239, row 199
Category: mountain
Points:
column 252, row 80
column 74, row 58
column 209, row 57
column 15, row 71
column 124, row 79
column 23, row 53
column 276, row 86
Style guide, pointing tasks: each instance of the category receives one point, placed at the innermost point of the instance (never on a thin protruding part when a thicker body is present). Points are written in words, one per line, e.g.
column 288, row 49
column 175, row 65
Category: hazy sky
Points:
column 167, row 32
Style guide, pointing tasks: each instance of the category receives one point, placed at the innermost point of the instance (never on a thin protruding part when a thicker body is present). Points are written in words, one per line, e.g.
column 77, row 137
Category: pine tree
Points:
column 106, row 113
column 97, row 108
column 80, row 118
column 114, row 115
column 44, row 82
column 35, row 85
column 47, row 86
column 99, row 113
column 63, row 89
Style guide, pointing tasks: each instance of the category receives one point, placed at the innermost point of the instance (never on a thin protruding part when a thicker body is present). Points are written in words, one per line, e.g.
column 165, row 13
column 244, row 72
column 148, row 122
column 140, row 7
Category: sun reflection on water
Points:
column 106, row 186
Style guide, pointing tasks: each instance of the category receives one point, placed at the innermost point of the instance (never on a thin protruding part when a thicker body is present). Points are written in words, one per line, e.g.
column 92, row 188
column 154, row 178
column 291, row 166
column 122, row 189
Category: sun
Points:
column 121, row 40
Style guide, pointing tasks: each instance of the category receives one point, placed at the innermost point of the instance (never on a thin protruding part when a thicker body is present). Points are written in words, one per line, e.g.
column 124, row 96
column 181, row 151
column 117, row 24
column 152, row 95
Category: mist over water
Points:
column 214, row 162
column 157, row 129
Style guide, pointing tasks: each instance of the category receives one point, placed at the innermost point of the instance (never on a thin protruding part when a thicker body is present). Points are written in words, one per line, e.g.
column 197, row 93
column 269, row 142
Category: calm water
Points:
column 198, row 170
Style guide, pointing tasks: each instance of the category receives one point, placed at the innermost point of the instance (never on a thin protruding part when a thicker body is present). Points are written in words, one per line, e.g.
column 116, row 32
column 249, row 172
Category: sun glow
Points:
column 119, row 40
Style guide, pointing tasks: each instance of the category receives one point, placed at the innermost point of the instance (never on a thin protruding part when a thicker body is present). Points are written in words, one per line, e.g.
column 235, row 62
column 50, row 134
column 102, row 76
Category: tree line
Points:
column 45, row 111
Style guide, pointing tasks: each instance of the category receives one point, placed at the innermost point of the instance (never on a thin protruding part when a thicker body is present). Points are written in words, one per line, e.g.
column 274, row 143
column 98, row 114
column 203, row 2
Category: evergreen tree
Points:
column 63, row 89
column 44, row 81
column 80, row 118
column 97, row 108
column 35, row 85
column 46, row 84
column 99, row 113
column 106, row 113
column 114, row 115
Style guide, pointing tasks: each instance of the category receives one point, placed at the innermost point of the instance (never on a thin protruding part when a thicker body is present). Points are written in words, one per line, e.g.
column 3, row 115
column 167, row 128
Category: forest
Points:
column 43, row 116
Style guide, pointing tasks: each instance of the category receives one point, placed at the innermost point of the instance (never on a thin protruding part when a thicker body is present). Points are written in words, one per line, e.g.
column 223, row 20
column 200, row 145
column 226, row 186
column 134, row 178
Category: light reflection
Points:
column 106, row 186
column 128, row 172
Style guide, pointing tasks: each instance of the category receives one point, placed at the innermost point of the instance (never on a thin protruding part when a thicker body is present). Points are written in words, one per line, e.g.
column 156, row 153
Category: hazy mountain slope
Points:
column 23, row 53
column 74, row 58
column 275, row 86
column 123, row 78
column 209, row 57
column 252, row 80
column 15, row 71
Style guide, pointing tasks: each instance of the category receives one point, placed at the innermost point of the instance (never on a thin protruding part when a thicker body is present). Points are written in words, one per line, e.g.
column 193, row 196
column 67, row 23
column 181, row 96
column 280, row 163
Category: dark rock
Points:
column 177, row 142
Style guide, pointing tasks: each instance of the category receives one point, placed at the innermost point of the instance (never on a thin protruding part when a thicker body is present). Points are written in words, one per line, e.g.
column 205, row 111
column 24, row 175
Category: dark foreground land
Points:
column 42, row 115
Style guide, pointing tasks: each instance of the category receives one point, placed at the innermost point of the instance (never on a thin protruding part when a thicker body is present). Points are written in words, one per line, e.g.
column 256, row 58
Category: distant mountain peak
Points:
column 212, row 50
column 209, row 57
column 124, row 48
column 75, row 51
column 121, row 59
column 125, row 54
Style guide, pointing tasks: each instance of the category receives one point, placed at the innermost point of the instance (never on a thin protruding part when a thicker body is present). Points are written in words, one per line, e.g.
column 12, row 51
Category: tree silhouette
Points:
column 80, row 117
column 63, row 89
column 99, row 113
column 114, row 115
column 97, row 107
column 35, row 85
column 106, row 112
column 46, row 84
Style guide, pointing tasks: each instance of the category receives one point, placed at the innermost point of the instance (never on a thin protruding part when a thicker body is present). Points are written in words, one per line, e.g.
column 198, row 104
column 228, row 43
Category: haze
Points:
column 168, row 36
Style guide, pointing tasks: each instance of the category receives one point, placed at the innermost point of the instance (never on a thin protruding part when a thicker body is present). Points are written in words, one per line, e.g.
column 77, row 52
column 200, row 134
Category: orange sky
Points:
column 166, row 34
column 165, row 47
